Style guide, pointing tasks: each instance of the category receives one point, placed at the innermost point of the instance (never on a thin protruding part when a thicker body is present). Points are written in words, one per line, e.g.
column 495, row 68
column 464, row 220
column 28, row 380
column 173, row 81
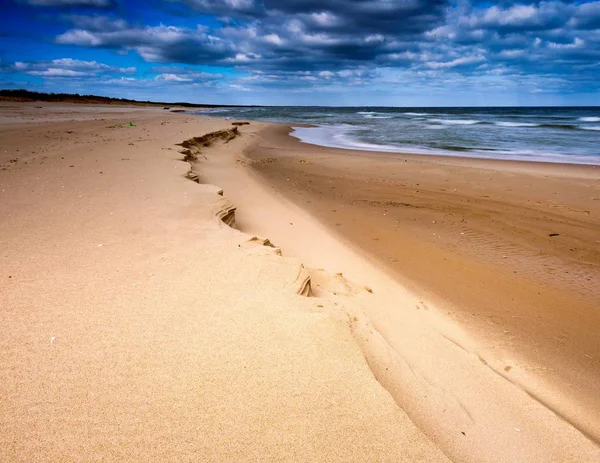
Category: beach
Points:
column 248, row 297
column 508, row 249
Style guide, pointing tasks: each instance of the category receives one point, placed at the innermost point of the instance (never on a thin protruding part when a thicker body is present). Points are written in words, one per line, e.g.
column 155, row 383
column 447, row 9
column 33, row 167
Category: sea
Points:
column 544, row 134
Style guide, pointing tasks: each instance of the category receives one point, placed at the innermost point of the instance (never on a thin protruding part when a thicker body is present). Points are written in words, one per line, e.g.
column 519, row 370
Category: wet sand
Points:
column 509, row 250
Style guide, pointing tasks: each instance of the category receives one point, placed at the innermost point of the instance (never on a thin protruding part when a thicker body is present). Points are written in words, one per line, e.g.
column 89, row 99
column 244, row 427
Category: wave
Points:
column 374, row 115
column 560, row 126
column 455, row 121
column 589, row 119
column 415, row 114
column 516, row 124
column 215, row 110
column 547, row 126
column 342, row 136
column 338, row 136
column 318, row 116
column 433, row 127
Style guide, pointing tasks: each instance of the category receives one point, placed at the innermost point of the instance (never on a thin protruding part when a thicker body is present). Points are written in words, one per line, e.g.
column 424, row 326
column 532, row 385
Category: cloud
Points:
column 56, row 72
column 153, row 43
column 341, row 34
column 293, row 34
column 185, row 75
column 462, row 61
column 173, row 78
column 289, row 44
column 66, row 67
column 529, row 16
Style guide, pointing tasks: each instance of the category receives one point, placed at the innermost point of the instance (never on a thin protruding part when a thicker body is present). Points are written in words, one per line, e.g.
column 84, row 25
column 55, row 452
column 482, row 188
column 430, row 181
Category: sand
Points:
column 138, row 325
column 509, row 250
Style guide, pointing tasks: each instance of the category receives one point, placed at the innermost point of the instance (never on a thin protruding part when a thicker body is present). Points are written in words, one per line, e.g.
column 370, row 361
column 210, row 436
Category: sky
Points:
column 307, row 52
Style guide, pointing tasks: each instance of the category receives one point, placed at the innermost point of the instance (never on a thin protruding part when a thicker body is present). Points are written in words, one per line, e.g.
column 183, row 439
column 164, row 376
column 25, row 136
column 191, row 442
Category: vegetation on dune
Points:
column 22, row 95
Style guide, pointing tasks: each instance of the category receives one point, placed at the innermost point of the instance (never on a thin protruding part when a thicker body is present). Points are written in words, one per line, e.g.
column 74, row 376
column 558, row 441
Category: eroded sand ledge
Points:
column 137, row 326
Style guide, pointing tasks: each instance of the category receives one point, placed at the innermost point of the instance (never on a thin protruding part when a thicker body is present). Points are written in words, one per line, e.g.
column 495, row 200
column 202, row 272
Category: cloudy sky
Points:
column 315, row 52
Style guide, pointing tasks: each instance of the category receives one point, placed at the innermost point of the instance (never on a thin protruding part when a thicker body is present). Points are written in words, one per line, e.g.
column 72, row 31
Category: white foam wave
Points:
column 341, row 136
column 516, row 124
column 212, row 110
column 455, row 121
column 433, row 127
column 337, row 136
column 591, row 127
column 371, row 116
column 415, row 114
column 589, row 119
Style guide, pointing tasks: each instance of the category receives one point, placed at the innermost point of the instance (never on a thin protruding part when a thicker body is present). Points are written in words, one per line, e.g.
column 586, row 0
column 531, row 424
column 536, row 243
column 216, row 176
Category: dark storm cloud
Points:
column 378, row 16
column 277, row 42
column 295, row 34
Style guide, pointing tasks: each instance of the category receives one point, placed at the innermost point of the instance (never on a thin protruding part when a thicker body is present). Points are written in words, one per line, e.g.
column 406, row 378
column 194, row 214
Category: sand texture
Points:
column 509, row 250
column 139, row 325
column 451, row 375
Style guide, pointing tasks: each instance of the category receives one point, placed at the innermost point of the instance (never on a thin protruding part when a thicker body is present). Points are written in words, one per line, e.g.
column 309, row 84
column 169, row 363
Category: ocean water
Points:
column 550, row 134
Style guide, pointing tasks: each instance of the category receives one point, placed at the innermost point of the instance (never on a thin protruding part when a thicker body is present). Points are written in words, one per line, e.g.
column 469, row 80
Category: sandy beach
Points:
column 507, row 249
column 247, row 297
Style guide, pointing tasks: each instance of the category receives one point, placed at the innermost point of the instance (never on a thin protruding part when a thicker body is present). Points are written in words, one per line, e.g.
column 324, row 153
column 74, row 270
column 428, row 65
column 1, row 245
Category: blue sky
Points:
column 307, row 52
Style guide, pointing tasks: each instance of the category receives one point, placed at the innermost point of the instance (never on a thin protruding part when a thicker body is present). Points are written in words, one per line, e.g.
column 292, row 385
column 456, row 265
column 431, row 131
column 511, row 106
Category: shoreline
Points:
column 493, row 144
column 475, row 155
column 200, row 337
column 437, row 157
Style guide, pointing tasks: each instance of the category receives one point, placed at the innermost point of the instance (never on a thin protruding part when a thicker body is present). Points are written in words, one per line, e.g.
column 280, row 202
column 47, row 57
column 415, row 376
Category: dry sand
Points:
column 136, row 325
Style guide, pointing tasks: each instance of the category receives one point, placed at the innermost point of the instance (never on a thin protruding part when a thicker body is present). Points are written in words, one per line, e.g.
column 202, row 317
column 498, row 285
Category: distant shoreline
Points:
column 24, row 96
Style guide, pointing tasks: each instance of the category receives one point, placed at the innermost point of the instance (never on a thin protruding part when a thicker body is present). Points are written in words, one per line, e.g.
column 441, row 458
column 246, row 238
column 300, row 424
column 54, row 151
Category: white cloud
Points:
column 55, row 72
column 173, row 78
column 513, row 53
column 465, row 60
column 577, row 43
column 273, row 39
column 68, row 67
column 79, row 37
